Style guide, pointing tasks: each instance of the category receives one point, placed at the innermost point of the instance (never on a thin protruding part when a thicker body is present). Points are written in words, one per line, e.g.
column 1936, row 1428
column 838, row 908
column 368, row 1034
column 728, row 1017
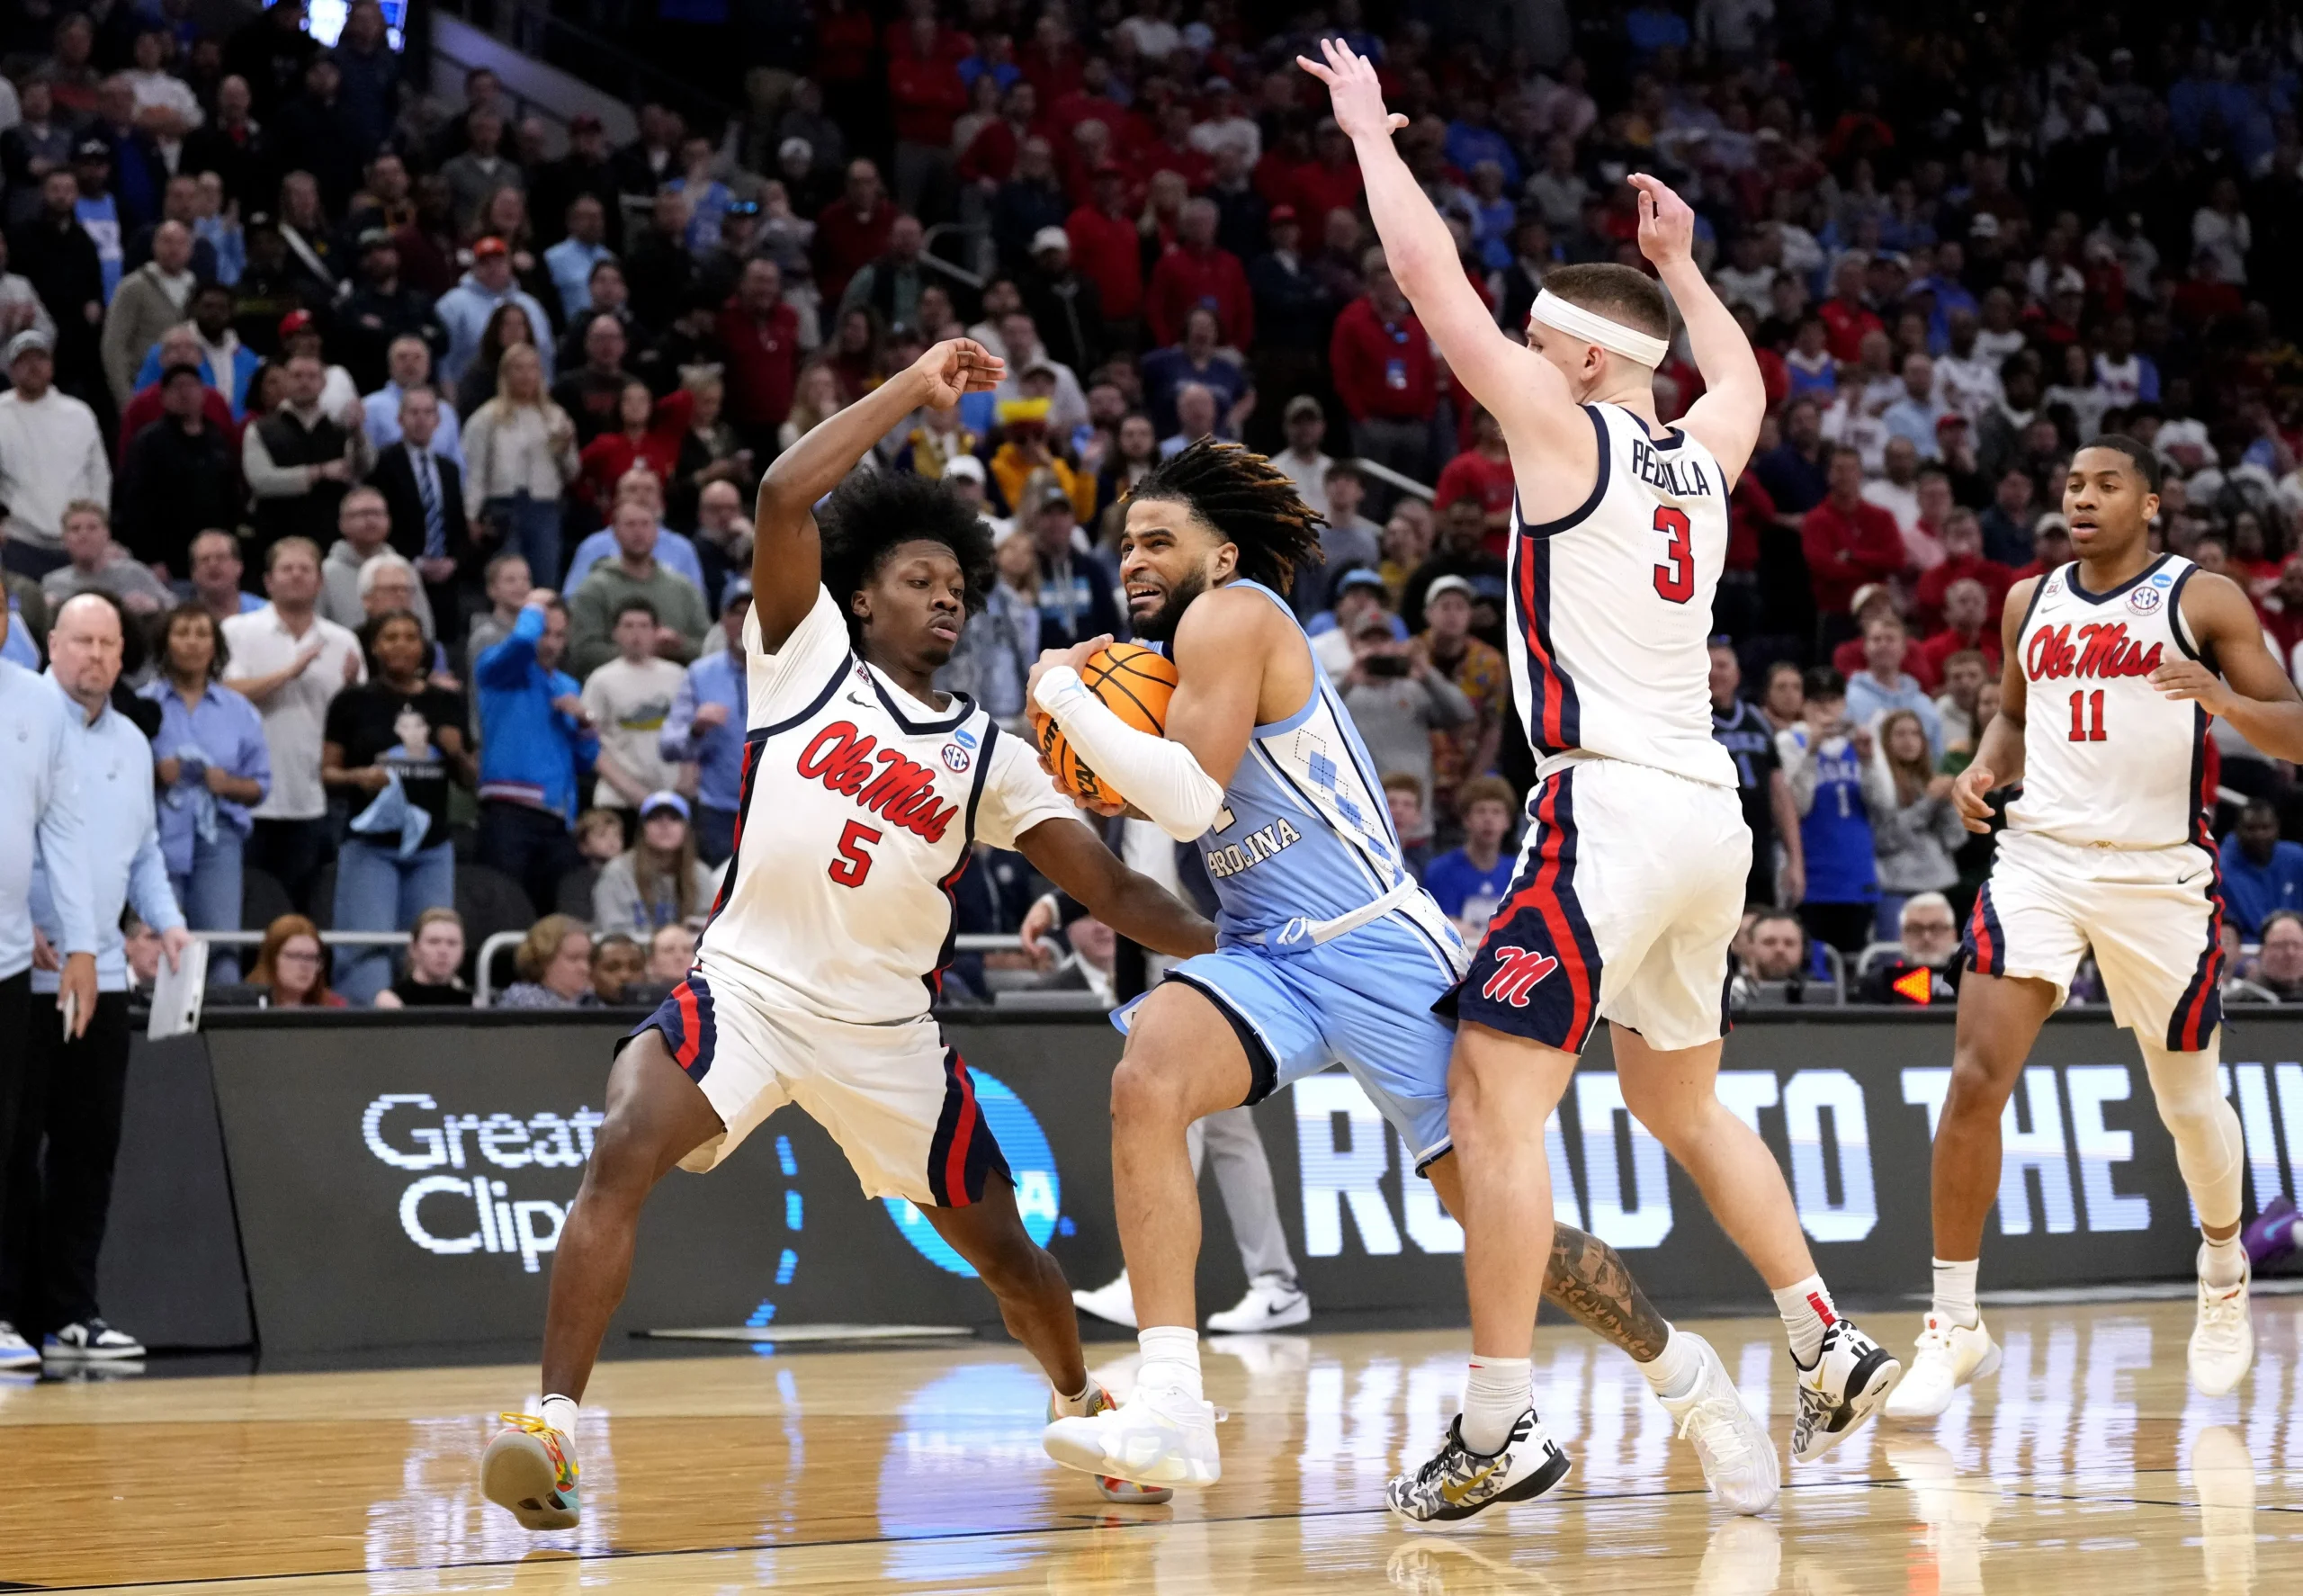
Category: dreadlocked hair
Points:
column 870, row 513
column 1249, row 501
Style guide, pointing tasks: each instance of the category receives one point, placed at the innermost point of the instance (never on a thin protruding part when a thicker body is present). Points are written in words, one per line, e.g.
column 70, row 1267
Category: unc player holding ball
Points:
column 864, row 789
column 1631, row 884
column 2129, row 653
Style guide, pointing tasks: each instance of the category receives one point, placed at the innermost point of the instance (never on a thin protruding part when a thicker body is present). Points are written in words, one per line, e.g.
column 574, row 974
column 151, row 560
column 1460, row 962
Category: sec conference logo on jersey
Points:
column 955, row 757
column 2146, row 600
column 1039, row 1190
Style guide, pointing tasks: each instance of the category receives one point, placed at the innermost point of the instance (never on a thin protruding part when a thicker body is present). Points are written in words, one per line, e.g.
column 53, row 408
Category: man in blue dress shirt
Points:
column 41, row 799
column 706, row 726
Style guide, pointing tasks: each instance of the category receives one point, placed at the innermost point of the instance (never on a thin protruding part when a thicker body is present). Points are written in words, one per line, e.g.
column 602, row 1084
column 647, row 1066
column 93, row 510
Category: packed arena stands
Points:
column 415, row 432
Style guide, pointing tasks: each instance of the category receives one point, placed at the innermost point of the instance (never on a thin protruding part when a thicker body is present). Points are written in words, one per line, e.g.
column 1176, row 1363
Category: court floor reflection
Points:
column 2086, row 1464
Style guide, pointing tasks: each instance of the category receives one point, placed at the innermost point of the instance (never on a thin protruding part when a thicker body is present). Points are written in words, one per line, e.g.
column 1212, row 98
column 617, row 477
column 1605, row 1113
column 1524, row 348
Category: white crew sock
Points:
column 2222, row 1264
column 1674, row 1371
column 1076, row 1405
column 1955, row 1292
column 1805, row 1307
column 1498, row 1391
column 560, row 1412
column 1171, row 1360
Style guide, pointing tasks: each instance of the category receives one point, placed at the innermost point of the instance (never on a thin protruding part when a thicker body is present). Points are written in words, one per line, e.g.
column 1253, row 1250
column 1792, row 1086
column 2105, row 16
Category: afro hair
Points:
column 870, row 513
column 1249, row 501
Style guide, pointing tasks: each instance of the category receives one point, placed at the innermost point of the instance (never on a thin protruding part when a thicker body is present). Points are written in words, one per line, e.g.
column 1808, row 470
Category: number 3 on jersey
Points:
column 854, row 864
column 1675, row 580
column 2087, row 716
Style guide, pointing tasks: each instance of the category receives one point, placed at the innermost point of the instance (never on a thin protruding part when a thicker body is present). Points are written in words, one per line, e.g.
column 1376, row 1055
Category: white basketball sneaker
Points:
column 1162, row 1437
column 16, row 1352
column 1114, row 1304
column 1456, row 1481
column 2223, row 1338
column 1738, row 1459
column 1849, row 1382
column 1113, row 1489
column 1948, row 1356
column 1272, row 1302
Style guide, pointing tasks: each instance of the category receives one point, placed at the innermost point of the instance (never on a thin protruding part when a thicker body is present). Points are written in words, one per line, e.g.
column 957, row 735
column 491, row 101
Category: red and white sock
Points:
column 1806, row 1309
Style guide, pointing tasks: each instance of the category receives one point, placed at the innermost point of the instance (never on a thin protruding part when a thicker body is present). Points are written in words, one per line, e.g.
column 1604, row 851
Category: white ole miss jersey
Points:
column 2108, row 758
column 1611, row 604
column 859, row 804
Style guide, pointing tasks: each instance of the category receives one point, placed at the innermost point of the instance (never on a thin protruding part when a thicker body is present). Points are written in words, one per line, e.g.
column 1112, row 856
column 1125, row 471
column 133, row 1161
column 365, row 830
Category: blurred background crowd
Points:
column 409, row 425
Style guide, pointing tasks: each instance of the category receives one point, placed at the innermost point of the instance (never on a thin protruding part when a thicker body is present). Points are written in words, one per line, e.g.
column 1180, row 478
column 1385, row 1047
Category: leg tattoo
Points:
column 1590, row 1281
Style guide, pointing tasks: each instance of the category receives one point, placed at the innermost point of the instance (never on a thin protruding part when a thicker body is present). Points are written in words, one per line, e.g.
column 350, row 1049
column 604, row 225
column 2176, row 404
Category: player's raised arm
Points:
column 2252, row 691
column 1528, row 395
column 1072, row 856
column 1999, row 751
column 787, row 561
column 1727, row 419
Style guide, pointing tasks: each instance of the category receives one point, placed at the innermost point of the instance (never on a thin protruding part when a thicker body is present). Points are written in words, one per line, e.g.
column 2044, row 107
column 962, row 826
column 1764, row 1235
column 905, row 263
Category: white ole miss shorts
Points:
column 896, row 1098
column 2153, row 917
column 1629, row 888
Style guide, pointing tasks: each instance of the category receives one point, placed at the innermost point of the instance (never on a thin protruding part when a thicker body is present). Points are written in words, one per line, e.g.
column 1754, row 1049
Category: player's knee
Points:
column 1979, row 1084
column 1145, row 1092
column 1010, row 1266
column 626, row 1155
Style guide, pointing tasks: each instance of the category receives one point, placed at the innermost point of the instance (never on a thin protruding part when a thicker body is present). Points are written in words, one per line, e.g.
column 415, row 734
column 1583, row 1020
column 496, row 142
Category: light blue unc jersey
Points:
column 1328, row 950
column 1305, row 836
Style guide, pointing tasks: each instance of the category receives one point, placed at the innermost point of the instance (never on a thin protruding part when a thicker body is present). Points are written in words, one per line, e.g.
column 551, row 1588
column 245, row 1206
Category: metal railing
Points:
column 608, row 64
column 1394, row 480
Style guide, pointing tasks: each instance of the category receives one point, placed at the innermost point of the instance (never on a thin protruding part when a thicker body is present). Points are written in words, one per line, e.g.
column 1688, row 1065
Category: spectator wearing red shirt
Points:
column 1278, row 175
column 844, row 33
column 1379, row 359
column 650, row 434
column 1052, row 59
column 1483, row 473
column 1849, row 542
column 1093, row 101
column 926, row 96
column 1967, row 626
column 1846, row 319
column 1104, row 247
column 990, row 156
column 1963, row 560
column 2283, row 613
column 1332, row 183
column 761, row 333
column 853, row 230
column 1198, row 270
column 1173, row 150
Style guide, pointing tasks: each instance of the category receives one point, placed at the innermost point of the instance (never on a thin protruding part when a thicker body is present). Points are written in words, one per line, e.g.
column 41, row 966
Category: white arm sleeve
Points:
column 1161, row 779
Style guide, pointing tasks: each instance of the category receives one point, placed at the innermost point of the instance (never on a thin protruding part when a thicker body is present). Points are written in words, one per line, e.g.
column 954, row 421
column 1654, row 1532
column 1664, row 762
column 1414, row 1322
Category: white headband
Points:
column 1577, row 322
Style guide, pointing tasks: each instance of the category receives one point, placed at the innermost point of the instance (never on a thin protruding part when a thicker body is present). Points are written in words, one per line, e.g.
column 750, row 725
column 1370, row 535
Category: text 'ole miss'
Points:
column 2101, row 648
column 900, row 791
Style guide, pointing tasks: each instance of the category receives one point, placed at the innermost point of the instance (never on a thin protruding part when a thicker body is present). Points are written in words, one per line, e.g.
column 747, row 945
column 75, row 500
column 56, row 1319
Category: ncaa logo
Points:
column 2146, row 601
column 955, row 757
column 1518, row 972
column 1039, row 1190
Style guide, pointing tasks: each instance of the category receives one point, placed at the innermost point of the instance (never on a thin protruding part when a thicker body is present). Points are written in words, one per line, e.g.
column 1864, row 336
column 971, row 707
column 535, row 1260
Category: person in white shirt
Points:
column 628, row 699
column 1896, row 489
column 1302, row 461
column 155, row 86
column 1068, row 406
column 2221, row 231
column 51, row 452
column 291, row 662
column 1967, row 383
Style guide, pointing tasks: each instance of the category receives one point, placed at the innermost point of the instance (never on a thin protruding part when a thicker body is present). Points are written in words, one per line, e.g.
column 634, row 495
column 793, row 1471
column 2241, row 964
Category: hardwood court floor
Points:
column 2085, row 1469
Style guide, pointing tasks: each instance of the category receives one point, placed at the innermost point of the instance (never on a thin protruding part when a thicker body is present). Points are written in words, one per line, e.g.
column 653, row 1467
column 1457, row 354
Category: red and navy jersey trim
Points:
column 689, row 1026
column 963, row 1151
column 1554, row 717
column 1536, row 972
column 2201, row 1010
column 949, row 885
column 1582, row 513
column 1985, row 945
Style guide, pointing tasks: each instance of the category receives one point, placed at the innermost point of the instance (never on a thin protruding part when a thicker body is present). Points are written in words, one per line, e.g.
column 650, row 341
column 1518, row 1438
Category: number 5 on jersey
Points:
column 854, row 864
column 1675, row 580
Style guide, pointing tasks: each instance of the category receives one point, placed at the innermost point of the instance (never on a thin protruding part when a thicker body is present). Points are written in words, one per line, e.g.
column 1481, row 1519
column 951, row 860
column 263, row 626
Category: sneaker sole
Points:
column 1866, row 1401
column 90, row 1354
column 2204, row 1389
column 1128, row 1493
column 1554, row 1469
column 27, row 1359
column 1986, row 1367
column 517, row 1475
column 1090, row 1460
column 1285, row 1319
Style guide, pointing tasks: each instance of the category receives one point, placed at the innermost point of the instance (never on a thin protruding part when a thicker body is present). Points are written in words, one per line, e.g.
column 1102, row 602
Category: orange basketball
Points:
column 1135, row 684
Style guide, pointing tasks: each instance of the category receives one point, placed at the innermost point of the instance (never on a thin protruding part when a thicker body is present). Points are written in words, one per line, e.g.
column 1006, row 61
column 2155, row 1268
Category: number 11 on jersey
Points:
column 2087, row 716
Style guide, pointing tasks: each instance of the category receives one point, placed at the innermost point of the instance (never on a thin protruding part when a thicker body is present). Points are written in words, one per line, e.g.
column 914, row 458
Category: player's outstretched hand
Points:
column 1352, row 84
column 958, row 366
column 1666, row 221
column 1969, row 796
column 2187, row 678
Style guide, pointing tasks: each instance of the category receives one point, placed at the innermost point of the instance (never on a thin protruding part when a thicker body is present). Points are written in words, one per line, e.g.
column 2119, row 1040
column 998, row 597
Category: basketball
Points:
column 1134, row 683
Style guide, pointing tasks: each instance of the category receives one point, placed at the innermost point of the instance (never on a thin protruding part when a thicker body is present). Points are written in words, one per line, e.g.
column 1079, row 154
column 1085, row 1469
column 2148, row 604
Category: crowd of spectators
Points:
column 415, row 439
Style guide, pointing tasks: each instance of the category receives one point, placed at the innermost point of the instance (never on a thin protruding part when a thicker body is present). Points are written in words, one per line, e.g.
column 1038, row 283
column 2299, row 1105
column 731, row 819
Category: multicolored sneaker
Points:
column 529, row 1470
column 1456, row 1481
column 1162, row 1438
column 1850, row 1380
column 1111, row 1486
